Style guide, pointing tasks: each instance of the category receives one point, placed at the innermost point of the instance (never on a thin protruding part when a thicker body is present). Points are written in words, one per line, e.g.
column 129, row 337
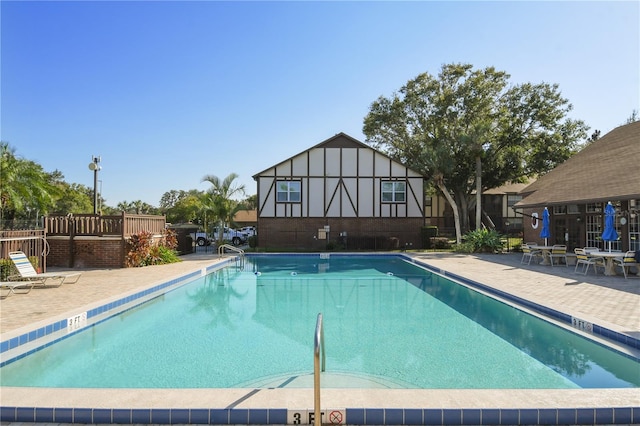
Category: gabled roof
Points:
column 508, row 188
column 340, row 140
column 605, row 170
column 245, row 216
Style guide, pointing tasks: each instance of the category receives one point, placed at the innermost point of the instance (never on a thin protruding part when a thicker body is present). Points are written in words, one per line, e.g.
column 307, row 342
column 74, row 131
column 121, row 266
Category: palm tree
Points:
column 219, row 202
column 24, row 185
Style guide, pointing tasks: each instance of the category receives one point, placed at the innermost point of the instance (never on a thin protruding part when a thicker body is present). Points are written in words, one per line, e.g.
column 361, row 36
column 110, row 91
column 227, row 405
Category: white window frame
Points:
column 288, row 191
column 390, row 191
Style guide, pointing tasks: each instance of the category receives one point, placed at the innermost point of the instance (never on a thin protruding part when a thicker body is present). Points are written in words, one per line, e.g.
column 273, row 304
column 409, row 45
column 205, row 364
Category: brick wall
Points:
column 362, row 233
column 88, row 252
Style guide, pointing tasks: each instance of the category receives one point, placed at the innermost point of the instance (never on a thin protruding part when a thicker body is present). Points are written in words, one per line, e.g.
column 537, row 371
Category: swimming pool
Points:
column 387, row 320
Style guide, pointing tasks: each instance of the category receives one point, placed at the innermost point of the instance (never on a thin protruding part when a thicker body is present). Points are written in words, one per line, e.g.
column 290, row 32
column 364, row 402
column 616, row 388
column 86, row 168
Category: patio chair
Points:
column 28, row 273
column 627, row 262
column 558, row 251
column 7, row 288
column 529, row 253
column 582, row 258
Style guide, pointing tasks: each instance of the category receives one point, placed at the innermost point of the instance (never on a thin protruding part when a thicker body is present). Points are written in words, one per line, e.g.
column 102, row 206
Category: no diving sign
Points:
column 307, row 417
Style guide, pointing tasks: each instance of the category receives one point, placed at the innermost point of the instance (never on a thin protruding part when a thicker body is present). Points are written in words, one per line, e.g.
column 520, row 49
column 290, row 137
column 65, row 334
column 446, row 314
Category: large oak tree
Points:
column 468, row 130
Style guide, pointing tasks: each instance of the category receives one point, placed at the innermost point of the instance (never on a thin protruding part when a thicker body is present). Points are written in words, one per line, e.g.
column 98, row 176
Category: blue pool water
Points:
column 384, row 318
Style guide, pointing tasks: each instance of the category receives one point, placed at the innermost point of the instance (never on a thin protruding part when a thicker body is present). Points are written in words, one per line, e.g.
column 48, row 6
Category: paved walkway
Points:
column 95, row 285
column 605, row 300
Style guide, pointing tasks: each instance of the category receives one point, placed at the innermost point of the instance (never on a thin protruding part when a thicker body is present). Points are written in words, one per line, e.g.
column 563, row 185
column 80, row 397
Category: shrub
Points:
column 253, row 241
column 7, row 268
column 441, row 243
column 143, row 251
column 481, row 241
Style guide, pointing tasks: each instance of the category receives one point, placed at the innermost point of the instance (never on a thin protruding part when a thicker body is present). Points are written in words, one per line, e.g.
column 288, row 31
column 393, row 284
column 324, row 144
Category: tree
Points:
column 182, row 206
column 468, row 131
column 137, row 207
column 250, row 203
column 219, row 201
column 24, row 186
column 74, row 198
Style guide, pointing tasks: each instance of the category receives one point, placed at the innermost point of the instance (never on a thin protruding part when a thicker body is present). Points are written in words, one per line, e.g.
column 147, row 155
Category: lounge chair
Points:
column 7, row 288
column 626, row 262
column 558, row 251
column 582, row 258
column 27, row 272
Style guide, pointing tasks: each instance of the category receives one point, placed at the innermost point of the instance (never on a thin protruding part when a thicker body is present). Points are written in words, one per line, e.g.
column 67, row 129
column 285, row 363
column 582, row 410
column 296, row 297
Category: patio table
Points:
column 608, row 256
column 546, row 250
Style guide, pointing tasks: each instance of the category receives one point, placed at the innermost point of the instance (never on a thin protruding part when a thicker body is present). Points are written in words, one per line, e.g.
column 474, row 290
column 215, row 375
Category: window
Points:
column 634, row 232
column 573, row 209
column 512, row 199
column 394, row 192
column 594, row 231
column 288, row 191
column 559, row 209
column 594, row 208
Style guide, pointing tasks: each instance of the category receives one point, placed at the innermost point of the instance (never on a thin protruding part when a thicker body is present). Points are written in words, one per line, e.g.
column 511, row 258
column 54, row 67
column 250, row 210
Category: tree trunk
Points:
column 454, row 207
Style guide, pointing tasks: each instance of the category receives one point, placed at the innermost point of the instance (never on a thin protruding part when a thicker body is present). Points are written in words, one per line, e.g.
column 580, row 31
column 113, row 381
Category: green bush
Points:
column 144, row 252
column 441, row 243
column 481, row 241
column 7, row 268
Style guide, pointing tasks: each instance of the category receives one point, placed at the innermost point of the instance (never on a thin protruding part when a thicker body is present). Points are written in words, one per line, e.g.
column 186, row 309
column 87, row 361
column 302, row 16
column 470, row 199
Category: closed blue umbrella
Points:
column 545, row 232
column 609, row 233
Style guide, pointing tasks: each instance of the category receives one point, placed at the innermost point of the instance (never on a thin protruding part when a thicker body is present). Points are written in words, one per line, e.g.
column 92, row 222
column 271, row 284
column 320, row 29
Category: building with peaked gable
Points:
column 340, row 192
column 576, row 192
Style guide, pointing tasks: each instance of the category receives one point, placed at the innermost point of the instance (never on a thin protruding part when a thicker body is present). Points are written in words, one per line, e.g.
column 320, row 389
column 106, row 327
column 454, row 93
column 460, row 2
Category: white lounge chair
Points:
column 27, row 272
column 7, row 288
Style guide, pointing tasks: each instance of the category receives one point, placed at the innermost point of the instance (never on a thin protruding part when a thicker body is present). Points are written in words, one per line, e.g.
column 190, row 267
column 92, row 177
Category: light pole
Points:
column 94, row 165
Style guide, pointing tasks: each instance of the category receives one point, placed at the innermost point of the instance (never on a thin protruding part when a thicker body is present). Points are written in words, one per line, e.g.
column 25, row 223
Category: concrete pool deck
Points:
column 609, row 301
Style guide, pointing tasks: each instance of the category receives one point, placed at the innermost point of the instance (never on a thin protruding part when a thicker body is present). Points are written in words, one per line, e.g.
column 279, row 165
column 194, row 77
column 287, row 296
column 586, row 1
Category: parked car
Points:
column 249, row 230
column 235, row 237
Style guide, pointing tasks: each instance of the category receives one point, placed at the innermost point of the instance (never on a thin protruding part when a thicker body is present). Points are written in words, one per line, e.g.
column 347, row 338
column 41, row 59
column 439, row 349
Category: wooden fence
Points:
column 123, row 225
column 83, row 240
column 31, row 242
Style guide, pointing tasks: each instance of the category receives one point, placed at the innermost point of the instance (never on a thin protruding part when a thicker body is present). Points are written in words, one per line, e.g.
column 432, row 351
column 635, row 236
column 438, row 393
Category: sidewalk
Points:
column 607, row 300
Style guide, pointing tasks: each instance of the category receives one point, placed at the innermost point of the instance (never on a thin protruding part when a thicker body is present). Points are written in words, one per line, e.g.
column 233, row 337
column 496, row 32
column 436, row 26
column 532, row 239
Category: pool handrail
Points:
column 230, row 247
column 318, row 349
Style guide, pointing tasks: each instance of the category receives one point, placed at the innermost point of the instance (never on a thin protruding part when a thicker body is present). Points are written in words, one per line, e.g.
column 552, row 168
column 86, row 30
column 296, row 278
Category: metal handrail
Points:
column 318, row 350
column 230, row 247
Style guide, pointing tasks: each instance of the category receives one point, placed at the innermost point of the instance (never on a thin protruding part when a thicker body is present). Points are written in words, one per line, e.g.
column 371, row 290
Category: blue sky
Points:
column 167, row 92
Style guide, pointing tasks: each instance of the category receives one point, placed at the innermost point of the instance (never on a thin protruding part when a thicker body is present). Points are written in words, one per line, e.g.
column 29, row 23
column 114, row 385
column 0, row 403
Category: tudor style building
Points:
column 340, row 191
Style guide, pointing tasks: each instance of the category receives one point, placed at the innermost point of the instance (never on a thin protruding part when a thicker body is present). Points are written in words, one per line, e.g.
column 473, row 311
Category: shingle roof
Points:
column 508, row 188
column 605, row 170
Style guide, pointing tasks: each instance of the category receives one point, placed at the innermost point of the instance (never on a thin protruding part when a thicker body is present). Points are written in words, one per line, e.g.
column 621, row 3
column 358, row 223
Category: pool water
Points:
column 384, row 319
